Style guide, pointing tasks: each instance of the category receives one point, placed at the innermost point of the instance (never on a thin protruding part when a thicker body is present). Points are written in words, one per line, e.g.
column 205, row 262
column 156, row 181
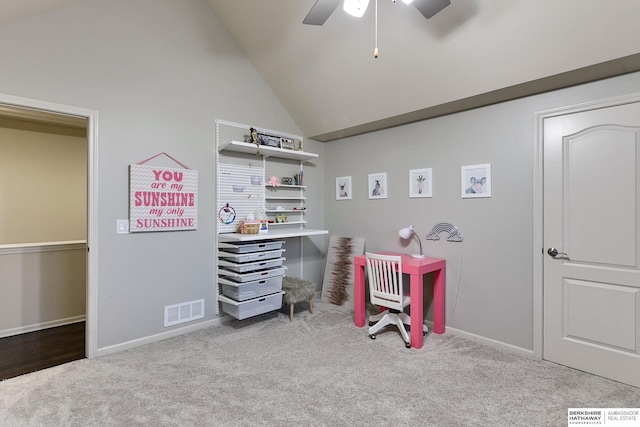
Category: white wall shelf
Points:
column 273, row 187
column 285, row 198
column 272, row 234
column 265, row 151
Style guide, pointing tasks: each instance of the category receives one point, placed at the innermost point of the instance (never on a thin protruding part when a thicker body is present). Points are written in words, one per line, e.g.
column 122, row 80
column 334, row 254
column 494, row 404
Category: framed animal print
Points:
column 378, row 185
column 420, row 183
column 343, row 188
column 476, row 181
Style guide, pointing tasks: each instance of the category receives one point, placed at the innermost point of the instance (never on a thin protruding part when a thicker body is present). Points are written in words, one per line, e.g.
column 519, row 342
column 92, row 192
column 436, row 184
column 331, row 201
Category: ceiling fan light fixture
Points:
column 355, row 8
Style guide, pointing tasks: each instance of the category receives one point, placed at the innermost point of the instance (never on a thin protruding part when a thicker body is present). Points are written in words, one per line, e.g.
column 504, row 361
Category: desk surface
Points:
column 410, row 265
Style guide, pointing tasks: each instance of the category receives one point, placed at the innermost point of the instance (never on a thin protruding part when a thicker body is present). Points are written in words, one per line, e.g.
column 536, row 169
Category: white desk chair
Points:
column 385, row 289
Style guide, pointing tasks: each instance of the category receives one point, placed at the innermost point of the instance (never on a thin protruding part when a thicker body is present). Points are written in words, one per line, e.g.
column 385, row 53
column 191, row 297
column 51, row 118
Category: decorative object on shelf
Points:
column 343, row 188
column 409, row 232
column 274, row 181
column 268, row 140
column 287, row 180
column 452, row 230
column 263, row 220
column 476, row 181
column 337, row 286
column 246, row 227
column 286, row 143
column 420, row 183
column 299, row 145
column 378, row 185
column 297, row 178
column 227, row 214
column 282, row 219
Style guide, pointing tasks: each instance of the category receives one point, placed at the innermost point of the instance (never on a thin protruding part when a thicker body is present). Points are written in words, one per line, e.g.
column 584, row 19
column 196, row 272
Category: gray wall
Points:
column 159, row 72
column 494, row 264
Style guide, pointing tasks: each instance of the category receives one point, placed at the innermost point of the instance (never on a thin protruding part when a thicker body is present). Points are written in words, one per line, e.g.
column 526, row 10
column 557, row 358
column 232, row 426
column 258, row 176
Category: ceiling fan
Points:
column 322, row 9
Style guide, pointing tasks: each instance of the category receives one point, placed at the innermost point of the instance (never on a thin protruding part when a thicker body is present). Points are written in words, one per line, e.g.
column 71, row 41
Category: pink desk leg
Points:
column 358, row 295
column 417, row 311
column 439, row 307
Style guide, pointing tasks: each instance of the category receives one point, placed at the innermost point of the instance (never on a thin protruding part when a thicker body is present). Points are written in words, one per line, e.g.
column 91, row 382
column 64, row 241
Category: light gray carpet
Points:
column 319, row 370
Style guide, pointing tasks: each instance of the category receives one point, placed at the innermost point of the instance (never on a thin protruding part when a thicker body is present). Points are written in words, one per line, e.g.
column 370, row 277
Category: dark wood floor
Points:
column 30, row 352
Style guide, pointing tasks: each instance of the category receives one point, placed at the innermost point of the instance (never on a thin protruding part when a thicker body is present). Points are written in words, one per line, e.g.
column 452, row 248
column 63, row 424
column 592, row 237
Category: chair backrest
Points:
column 385, row 280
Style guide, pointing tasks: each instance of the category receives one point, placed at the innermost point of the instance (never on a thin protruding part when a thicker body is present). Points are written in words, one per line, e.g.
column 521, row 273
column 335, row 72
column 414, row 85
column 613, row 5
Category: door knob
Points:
column 553, row 253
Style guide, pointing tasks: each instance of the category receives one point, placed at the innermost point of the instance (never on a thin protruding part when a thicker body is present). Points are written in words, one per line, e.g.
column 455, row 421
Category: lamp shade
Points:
column 355, row 8
column 407, row 233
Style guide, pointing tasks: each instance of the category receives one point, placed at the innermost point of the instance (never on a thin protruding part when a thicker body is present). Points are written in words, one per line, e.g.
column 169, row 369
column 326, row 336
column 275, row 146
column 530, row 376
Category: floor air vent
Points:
column 184, row 312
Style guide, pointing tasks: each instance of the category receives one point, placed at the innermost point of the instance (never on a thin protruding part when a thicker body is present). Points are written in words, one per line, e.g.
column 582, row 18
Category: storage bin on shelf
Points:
column 253, row 307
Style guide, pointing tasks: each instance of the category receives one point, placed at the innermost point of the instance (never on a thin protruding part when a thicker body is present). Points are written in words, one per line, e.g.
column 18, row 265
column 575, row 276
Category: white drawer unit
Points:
column 250, row 277
column 250, row 246
column 250, row 256
column 253, row 307
column 242, row 291
column 245, row 267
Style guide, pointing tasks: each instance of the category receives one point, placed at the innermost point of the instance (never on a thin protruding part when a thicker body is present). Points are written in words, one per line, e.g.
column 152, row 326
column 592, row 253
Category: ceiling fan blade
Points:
column 320, row 12
column 430, row 7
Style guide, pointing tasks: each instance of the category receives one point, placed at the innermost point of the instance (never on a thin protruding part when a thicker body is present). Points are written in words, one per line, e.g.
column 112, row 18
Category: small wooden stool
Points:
column 297, row 290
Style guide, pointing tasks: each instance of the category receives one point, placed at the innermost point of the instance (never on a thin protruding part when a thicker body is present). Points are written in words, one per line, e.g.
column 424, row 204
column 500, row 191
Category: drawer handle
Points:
column 262, row 282
column 265, row 273
column 262, row 300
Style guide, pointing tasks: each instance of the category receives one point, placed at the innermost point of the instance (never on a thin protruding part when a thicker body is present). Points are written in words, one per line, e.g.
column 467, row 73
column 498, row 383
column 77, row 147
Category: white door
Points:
column 591, row 218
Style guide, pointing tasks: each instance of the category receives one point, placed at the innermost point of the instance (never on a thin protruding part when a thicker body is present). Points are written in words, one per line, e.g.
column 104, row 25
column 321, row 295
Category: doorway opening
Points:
column 31, row 247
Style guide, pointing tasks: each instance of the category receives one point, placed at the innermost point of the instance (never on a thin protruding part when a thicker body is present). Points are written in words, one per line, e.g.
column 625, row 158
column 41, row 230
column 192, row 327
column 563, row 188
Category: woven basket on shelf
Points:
column 247, row 228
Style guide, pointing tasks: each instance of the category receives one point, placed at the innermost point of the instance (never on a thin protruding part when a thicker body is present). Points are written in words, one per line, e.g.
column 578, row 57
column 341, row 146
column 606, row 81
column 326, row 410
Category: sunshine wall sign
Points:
column 162, row 198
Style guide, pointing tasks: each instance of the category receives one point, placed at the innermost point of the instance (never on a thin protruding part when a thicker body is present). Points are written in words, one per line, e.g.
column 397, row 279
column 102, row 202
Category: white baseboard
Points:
column 40, row 326
column 498, row 345
column 103, row 351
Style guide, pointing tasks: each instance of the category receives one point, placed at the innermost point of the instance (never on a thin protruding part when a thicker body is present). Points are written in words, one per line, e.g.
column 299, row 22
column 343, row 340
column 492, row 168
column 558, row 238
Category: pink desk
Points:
column 416, row 268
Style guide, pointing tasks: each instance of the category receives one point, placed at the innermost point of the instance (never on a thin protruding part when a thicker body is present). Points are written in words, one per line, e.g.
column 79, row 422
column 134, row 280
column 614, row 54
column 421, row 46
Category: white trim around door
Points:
column 92, row 203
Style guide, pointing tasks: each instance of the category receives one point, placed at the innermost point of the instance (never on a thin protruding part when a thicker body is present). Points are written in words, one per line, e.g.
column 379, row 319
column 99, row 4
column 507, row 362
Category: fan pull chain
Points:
column 375, row 51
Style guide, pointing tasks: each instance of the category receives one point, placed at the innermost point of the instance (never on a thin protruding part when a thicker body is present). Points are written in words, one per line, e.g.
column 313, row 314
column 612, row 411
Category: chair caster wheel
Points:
column 372, row 323
column 372, row 336
column 407, row 344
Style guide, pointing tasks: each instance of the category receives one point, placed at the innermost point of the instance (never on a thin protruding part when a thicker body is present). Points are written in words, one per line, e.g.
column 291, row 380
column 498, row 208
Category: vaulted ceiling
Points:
column 473, row 53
